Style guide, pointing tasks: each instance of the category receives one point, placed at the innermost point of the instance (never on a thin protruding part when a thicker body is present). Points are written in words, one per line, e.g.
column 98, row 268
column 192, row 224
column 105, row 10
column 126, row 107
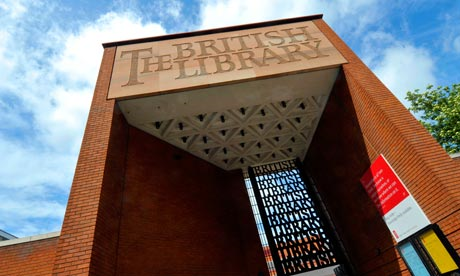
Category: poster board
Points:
column 438, row 252
column 401, row 213
column 413, row 260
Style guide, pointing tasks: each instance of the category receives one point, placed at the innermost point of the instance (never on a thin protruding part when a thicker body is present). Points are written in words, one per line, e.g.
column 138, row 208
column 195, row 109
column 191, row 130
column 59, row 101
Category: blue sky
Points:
column 50, row 53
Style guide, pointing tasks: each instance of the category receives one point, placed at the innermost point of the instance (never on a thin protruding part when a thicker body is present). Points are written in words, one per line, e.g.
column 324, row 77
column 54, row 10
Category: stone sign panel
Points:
column 200, row 61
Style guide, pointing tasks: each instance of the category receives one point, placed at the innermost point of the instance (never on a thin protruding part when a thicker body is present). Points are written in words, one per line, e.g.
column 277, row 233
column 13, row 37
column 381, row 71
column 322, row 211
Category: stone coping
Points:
column 30, row 238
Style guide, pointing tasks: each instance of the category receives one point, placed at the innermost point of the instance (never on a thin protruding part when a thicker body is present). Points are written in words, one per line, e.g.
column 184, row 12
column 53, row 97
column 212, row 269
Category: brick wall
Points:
column 89, row 233
column 33, row 258
column 456, row 159
column 177, row 214
column 139, row 206
column 183, row 216
column 362, row 120
column 336, row 160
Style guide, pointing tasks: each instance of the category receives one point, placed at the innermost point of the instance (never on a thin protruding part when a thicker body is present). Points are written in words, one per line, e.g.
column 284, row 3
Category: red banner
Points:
column 383, row 186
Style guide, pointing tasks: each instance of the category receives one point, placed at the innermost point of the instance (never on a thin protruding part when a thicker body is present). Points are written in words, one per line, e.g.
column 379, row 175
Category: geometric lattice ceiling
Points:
column 235, row 138
column 238, row 125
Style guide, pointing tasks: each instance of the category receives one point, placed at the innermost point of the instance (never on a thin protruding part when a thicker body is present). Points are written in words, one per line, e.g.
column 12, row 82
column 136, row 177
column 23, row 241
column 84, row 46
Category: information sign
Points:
column 438, row 252
column 413, row 261
column 399, row 210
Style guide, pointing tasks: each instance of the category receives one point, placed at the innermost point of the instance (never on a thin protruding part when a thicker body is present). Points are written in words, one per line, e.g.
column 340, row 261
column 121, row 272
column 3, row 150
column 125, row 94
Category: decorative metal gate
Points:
column 296, row 233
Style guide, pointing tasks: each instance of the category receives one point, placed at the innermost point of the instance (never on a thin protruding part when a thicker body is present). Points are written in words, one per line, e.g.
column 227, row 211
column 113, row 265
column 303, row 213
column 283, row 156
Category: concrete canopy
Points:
column 238, row 125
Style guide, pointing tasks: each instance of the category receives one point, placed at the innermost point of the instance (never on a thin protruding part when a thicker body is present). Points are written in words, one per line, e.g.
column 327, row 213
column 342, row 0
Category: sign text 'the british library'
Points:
column 201, row 61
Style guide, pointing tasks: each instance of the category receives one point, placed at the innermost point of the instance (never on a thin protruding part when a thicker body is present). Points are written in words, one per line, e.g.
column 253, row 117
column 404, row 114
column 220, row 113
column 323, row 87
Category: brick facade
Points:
column 33, row 258
column 186, row 216
column 139, row 206
column 362, row 120
column 111, row 217
column 88, row 241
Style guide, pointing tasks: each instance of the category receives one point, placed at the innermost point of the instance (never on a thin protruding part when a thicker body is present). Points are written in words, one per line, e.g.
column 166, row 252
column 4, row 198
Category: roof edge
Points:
column 7, row 235
column 213, row 31
column 30, row 239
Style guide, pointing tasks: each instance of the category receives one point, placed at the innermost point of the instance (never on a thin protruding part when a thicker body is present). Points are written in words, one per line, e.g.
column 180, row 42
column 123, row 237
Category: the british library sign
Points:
column 204, row 60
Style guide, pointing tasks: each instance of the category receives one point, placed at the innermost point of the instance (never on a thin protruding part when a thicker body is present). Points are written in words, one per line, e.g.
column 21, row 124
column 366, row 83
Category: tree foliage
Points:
column 439, row 112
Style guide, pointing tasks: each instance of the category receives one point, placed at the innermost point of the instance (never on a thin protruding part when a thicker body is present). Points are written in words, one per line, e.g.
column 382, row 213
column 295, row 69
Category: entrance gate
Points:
column 296, row 231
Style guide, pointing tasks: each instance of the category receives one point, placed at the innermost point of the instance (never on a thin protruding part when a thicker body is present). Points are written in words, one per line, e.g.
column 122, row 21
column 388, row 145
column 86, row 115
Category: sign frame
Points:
column 396, row 205
column 425, row 256
column 412, row 261
column 219, row 57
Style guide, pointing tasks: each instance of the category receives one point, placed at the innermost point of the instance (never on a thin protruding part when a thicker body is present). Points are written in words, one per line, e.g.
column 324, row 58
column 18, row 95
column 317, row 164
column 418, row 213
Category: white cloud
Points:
column 4, row 37
column 45, row 95
column 48, row 76
column 404, row 67
column 14, row 8
column 456, row 44
column 219, row 13
column 374, row 44
column 23, row 210
column 31, row 169
column 30, row 180
column 401, row 66
column 168, row 8
column 80, row 58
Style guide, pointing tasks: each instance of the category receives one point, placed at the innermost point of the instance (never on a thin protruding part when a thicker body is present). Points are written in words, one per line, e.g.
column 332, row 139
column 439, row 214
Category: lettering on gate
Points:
column 299, row 238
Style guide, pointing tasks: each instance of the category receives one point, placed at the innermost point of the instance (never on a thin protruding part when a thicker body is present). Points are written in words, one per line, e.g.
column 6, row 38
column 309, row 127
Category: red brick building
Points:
column 158, row 188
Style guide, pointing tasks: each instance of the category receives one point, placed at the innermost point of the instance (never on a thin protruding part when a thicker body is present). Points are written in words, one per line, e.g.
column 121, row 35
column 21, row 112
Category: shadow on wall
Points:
column 337, row 159
column 183, row 216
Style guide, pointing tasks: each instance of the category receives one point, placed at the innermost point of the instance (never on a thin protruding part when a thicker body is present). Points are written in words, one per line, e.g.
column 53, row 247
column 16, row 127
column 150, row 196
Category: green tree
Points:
column 439, row 112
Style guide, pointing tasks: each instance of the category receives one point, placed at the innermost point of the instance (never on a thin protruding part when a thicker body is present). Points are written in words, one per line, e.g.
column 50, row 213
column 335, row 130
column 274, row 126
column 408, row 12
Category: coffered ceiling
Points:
column 237, row 125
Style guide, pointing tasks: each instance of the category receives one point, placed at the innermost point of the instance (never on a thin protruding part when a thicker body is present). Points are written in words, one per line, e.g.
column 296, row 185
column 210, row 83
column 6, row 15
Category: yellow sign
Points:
column 438, row 252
